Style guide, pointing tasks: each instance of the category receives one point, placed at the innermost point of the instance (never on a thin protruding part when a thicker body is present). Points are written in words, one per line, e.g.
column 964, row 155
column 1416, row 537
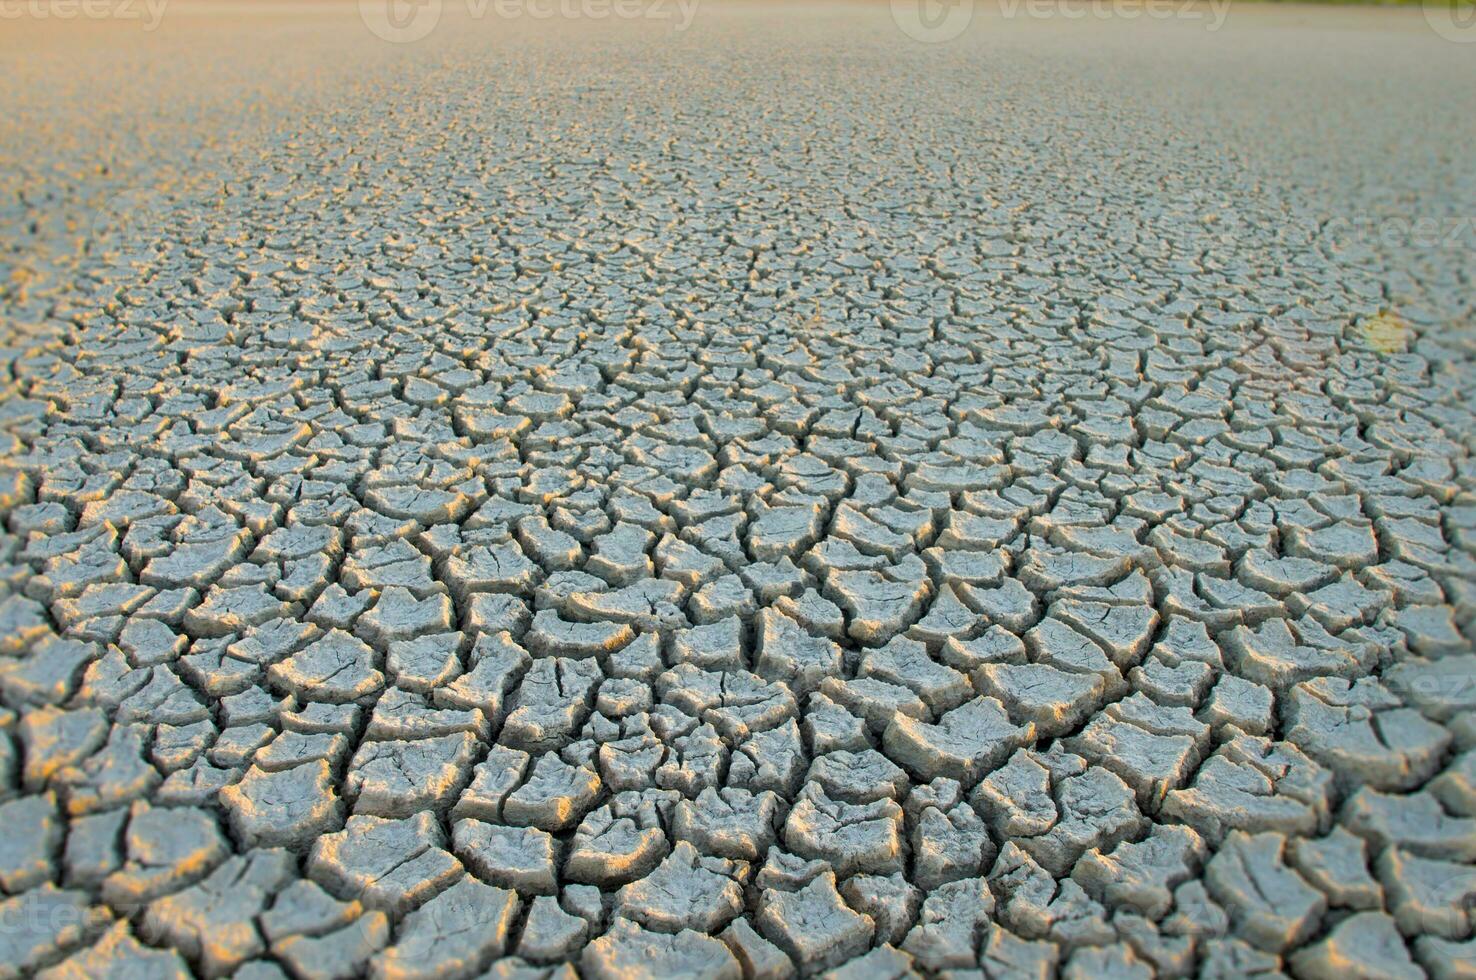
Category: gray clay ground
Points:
column 779, row 498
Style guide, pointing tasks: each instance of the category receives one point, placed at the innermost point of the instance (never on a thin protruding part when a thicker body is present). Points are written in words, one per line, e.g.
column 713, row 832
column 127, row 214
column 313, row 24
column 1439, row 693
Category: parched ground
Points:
column 775, row 497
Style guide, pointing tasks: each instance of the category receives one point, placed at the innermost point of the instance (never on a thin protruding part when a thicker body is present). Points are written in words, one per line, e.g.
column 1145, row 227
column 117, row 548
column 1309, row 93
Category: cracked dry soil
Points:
column 775, row 499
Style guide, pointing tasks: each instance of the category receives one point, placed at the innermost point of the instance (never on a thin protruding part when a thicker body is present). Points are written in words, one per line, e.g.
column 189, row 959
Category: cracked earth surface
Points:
column 781, row 499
